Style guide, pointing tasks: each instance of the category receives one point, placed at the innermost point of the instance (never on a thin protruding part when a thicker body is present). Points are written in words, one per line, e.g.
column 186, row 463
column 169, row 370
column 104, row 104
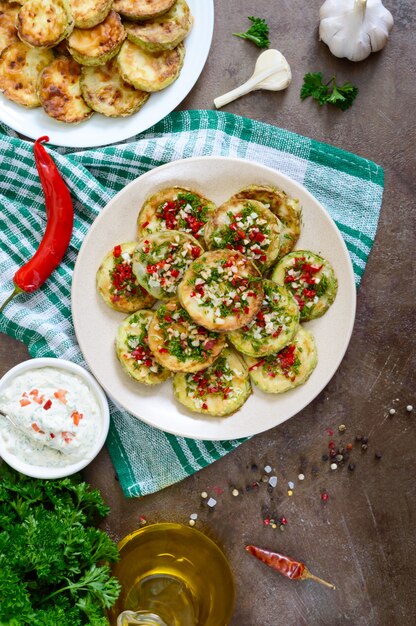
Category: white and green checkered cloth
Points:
column 349, row 186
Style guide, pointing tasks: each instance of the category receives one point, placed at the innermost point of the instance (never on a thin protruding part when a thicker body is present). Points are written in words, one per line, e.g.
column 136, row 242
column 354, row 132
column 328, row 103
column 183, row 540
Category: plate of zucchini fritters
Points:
column 220, row 293
column 74, row 59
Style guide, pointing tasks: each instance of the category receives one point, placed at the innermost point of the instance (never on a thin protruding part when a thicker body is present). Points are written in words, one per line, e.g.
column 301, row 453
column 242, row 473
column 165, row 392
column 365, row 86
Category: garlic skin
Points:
column 354, row 28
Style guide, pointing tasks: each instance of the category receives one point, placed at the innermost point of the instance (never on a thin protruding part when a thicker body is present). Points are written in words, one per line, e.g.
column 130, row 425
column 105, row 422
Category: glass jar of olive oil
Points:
column 172, row 575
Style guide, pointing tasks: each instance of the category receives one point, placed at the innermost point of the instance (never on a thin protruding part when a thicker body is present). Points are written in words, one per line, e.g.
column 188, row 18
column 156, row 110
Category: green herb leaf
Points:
column 341, row 96
column 258, row 32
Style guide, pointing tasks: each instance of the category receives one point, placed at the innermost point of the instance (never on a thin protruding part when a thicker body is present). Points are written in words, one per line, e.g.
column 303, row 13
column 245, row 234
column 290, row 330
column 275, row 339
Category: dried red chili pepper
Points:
column 60, row 216
column 295, row 570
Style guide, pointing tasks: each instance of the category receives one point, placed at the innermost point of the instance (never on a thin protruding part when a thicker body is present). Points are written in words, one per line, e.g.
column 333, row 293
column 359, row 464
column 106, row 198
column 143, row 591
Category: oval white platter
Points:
column 100, row 130
column 216, row 178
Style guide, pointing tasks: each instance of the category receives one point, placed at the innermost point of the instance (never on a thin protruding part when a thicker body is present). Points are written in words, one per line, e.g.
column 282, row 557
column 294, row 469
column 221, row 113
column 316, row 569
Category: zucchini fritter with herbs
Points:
column 60, row 91
column 175, row 208
column 310, row 278
column 97, row 45
column 161, row 259
column 273, row 327
column 133, row 352
column 179, row 343
column 164, row 32
column 20, row 68
column 287, row 209
column 150, row 72
column 247, row 226
column 44, row 23
column 107, row 93
column 219, row 390
column 117, row 284
column 221, row 290
column 289, row 368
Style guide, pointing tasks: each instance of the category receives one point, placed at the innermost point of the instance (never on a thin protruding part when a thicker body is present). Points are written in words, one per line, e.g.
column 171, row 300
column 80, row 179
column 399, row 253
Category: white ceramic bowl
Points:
column 40, row 471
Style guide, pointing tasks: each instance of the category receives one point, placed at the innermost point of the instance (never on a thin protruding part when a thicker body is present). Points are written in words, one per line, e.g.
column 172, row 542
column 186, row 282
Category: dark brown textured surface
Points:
column 363, row 538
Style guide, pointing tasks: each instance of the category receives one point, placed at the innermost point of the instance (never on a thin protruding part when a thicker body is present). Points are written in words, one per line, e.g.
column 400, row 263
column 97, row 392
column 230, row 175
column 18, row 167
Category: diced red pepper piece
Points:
column 24, row 402
column 117, row 251
column 47, row 405
column 77, row 417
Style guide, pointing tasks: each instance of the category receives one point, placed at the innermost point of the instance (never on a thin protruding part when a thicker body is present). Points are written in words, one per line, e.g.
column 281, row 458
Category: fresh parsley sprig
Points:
column 258, row 32
column 341, row 96
column 53, row 560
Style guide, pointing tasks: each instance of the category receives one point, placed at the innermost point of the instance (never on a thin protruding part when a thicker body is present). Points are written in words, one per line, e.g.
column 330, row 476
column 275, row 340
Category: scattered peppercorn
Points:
column 392, row 411
column 325, row 457
column 358, row 437
column 191, row 522
column 339, row 458
column 235, row 492
column 254, row 467
column 301, row 477
column 351, row 467
column 334, row 466
column 204, row 495
column 364, row 447
column 409, row 408
column 378, row 455
column 365, row 439
column 342, row 428
column 264, row 478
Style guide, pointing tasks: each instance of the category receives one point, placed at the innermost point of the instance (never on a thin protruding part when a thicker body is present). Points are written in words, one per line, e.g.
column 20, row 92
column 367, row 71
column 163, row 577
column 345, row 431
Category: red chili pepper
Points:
column 295, row 570
column 60, row 216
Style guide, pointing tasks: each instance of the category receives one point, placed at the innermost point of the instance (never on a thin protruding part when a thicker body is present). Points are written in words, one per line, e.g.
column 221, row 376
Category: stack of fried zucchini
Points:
column 74, row 57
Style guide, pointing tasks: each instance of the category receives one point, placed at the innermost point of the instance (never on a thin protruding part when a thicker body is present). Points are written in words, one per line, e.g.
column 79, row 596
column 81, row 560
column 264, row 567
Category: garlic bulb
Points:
column 354, row 28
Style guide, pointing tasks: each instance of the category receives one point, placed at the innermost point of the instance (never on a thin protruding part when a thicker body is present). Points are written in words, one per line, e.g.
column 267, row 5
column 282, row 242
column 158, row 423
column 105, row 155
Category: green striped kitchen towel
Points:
column 349, row 186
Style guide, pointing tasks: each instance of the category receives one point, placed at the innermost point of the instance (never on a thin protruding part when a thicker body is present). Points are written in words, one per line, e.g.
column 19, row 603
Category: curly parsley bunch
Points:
column 53, row 561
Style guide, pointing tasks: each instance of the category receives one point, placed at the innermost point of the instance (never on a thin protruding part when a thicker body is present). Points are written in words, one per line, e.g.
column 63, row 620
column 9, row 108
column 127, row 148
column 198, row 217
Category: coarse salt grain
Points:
column 273, row 481
column 392, row 411
column 194, row 516
column 290, row 485
column 334, row 466
column 409, row 408
column 212, row 502
column 267, row 469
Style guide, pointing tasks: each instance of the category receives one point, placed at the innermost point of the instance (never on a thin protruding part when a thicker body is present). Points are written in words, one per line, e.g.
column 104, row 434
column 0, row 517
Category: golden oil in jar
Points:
column 175, row 573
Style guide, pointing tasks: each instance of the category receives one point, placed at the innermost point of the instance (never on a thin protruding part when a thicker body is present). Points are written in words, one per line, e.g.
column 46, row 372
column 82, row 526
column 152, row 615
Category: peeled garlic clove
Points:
column 354, row 28
column 271, row 72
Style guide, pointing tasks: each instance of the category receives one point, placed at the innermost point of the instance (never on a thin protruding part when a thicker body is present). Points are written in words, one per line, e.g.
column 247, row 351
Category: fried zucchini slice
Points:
column 247, row 226
column 8, row 16
column 287, row 209
column 219, row 390
column 60, row 92
column 164, row 32
column 116, row 283
column 106, row 92
column 221, row 290
column 133, row 352
column 178, row 343
column 97, row 45
column 274, row 326
column 160, row 261
column 142, row 9
column 44, row 23
column 289, row 368
column 150, row 72
column 20, row 67
column 175, row 208
column 89, row 13
column 310, row 278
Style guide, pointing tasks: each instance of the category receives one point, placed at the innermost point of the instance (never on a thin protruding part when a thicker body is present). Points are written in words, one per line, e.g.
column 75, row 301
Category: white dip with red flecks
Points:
column 56, row 415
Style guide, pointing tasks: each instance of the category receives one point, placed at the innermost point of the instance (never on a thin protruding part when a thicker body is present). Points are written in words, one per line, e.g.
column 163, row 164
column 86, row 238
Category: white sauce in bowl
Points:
column 57, row 417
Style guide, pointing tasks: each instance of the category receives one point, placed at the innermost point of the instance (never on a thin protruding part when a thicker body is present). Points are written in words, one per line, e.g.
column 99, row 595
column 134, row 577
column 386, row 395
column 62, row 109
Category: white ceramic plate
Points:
column 95, row 324
column 100, row 130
